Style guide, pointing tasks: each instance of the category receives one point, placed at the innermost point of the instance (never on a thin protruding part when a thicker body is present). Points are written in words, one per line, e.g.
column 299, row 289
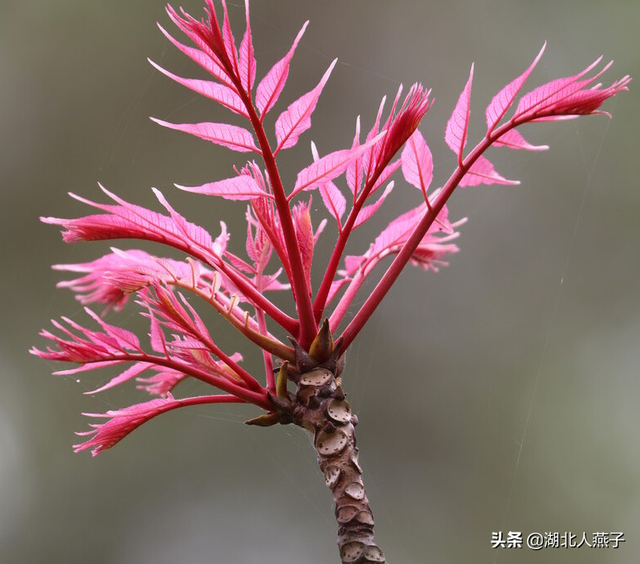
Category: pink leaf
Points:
column 161, row 383
column 83, row 345
column 192, row 234
column 417, row 162
column 401, row 125
column 354, row 170
column 304, row 235
column 114, row 277
column 583, row 102
column 367, row 211
column 87, row 367
column 333, row 200
column 272, row 84
column 220, row 243
column 336, row 286
column 156, row 336
column 544, row 97
column 398, row 230
column 240, row 265
column 296, row 119
column 386, row 174
column 231, row 136
column 205, row 35
column 227, row 37
column 242, row 187
column 271, row 282
column 122, row 422
column 173, row 316
column 203, row 331
column 458, row 124
column 96, row 286
column 130, row 221
column 482, row 172
column 132, row 372
column 514, row 140
column 123, row 338
column 202, row 56
column 503, row 99
column 247, row 61
column 396, row 234
column 368, row 160
column 220, row 93
column 329, row 167
column 258, row 245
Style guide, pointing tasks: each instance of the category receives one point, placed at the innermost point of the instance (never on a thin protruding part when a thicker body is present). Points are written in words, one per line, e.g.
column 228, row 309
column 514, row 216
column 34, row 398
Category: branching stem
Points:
column 403, row 257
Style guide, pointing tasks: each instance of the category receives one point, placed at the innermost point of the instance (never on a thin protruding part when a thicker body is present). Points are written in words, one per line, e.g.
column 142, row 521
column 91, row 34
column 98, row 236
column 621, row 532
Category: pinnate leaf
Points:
column 368, row 211
column 156, row 335
column 482, row 172
column 503, row 99
column 132, row 372
column 334, row 200
column 272, row 84
column 336, row 286
column 202, row 56
column 296, row 119
column 122, row 422
column 247, row 61
column 193, row 234
column 241, row 187
column 162, row 382
column 227, row 37
column 355, row 170
column 231, row 136
column 458, row 124
column 329, row 167
column 368, row 160
column 124, row 340
column 126, row 221
column 417, row 162
column 545, row 96
column 398, row 230
column 220, row 93
column 513, row 139
column 304, row 235
column 396, row 234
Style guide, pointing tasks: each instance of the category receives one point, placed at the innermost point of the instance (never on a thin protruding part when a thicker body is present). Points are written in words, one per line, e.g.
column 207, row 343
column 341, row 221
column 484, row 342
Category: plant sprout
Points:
column 303, row 379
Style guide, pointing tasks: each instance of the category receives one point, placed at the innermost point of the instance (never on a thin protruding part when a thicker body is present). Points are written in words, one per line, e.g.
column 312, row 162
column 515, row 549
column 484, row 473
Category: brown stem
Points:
column 319, row 405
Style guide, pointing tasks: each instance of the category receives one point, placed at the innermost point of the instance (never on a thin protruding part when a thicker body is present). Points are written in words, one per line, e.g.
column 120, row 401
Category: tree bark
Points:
column 319, row 405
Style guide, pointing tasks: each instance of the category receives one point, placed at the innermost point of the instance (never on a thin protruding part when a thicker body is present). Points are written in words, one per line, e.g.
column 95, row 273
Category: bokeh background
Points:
column 498, row 395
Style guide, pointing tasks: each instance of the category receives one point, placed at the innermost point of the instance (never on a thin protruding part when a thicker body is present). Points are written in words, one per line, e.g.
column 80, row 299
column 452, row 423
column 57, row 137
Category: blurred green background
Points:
column 498, row 395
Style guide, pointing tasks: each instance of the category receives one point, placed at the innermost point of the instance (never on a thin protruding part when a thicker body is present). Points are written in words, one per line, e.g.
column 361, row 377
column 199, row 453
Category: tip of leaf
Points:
column 154, row 64
column 314, row 151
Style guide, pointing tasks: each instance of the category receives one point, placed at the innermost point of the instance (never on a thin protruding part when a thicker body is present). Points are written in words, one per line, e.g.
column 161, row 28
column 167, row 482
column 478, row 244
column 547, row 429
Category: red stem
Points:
column 257, row 398
column 238, row 322
column 306, row 328
column 280, row 317
column 323, row 292
column 241, row 372
column 398, row 264
column 302, row 294
column 199, row 400
column 262, row 325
